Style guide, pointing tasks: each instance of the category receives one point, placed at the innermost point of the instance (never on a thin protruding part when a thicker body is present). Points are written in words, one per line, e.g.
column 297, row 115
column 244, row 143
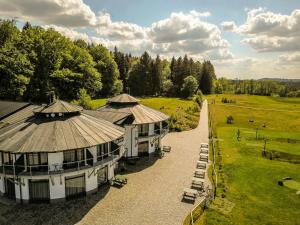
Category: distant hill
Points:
column 282, row 80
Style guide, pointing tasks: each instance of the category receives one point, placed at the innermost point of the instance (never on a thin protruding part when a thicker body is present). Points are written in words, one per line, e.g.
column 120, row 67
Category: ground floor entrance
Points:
column 102, row 176
column 143, row 148
column 10, row 191
column 75, row 186
column 39, row 191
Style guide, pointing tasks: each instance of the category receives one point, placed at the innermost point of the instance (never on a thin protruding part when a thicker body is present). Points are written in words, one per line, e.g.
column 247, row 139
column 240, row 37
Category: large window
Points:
column 102, row 151
column 39, row 191
column 73, row 158
column 37, row 161
column 75, row 186
column 143, row 130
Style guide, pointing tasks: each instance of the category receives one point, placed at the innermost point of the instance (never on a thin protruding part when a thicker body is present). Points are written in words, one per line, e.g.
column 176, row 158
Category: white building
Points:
column 144, row 126
column 58, row 153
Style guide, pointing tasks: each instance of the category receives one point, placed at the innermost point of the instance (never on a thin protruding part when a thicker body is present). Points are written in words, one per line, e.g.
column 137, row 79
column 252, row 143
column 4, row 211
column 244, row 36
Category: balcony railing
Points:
column 162, row 132
column 56, row 168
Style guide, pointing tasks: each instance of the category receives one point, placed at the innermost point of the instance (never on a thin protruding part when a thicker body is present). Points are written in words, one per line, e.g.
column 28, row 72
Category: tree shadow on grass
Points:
column 62, row 213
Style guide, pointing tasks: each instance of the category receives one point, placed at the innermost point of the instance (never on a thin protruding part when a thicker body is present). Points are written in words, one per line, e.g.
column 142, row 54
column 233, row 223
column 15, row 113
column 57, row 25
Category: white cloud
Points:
column 270, row 32
column 262, row 22
column 72, row 13
column 229, row 26
column 119, row 30
column 273, row 44
column 186, row 33
column 290, row 58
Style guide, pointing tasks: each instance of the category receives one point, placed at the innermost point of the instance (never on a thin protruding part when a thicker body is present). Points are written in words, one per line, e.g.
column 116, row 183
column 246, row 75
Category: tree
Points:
column 105, row 65
column 15, row 72
column 189, row 86
column 140, row 77
column 206, row 81
column 84, row 99
column 157, row 76
column 8, row 32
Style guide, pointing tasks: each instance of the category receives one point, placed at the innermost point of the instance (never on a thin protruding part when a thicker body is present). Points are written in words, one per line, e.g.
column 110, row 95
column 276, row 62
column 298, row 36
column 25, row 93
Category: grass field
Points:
column 247, row 191
column 184, row 113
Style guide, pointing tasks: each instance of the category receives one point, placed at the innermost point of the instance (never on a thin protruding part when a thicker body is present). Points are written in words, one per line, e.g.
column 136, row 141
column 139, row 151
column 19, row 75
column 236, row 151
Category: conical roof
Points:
column 123, row 98
column 60, row 107
column 58, row 134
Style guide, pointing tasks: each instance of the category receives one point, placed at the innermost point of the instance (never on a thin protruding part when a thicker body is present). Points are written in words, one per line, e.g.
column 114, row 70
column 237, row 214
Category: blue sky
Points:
column 243, row 39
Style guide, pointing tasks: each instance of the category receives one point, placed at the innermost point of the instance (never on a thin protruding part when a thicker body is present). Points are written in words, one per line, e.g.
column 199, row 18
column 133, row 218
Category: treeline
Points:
column 35, row 62
column 257, row 87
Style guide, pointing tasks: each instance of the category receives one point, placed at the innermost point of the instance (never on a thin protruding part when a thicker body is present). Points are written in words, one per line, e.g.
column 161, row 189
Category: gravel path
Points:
column 153, row 195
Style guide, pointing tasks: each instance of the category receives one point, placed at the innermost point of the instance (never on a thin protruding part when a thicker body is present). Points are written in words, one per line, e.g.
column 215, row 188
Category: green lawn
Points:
column 248, row 192
column 96, row 103
column 184, row 113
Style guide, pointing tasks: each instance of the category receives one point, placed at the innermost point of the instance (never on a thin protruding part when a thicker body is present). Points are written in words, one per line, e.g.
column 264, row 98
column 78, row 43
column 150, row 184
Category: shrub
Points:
column 84, row 99
column 190, row 85
column 230, row 119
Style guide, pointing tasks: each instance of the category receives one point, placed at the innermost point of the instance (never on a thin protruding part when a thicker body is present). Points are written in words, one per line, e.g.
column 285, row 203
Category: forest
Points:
column 35, row 62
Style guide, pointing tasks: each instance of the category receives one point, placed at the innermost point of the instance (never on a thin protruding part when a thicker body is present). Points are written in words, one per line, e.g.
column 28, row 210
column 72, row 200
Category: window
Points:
column 143, row 129
column 102, row 151
column 7, row 158
column 37, row 161
column 74, row 155
column 73, row 159
column 157, row 128
column 34, row 159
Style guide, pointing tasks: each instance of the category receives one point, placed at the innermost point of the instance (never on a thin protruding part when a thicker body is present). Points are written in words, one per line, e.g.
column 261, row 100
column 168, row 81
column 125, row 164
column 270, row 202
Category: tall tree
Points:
column 106, row 65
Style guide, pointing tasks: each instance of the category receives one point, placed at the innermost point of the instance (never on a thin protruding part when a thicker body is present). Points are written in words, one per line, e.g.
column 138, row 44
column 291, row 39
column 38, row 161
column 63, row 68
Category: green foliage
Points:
column 258, row 87
column 106, row 65
column 36, row 61
column 293, row 94
column 184, row 114
column 15, row 72
column 84, row 99
column 189, row 86
column 206, row 80
column 199, row 98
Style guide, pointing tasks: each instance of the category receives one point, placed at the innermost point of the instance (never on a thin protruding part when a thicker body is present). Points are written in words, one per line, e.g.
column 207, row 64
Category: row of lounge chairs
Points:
column 197, row 185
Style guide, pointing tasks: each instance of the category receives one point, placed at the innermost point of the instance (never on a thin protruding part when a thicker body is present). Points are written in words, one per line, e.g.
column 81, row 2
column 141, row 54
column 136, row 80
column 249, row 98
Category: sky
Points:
column 243, row 39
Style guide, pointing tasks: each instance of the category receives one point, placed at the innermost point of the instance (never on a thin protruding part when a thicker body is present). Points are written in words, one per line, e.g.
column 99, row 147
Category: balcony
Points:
column 162, row 132
column 56, row 168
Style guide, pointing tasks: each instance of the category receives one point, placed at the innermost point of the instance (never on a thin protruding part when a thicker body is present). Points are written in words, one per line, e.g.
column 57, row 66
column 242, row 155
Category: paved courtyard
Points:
column 153, row 194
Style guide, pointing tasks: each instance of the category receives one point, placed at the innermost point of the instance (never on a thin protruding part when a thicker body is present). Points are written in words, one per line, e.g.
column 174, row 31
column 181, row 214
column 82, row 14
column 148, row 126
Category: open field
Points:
column 248, row 192
column 184, row 113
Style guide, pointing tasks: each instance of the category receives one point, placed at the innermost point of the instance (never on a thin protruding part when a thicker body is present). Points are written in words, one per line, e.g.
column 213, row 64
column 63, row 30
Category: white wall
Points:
column 90, row 182
column 25, row 189
column 2, row 185
column 57, row 187
column 93, row 151
column 55, row 158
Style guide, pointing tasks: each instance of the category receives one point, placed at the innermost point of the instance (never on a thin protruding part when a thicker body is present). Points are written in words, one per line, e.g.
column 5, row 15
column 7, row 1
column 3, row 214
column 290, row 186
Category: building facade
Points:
column 59, row 153
column 144, row 126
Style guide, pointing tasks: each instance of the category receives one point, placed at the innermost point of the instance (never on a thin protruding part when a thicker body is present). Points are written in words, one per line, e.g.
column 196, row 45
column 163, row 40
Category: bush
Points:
column 293, row 94
column 198, row 98
column 84, row 99
column 189, row 86
column 230, row 119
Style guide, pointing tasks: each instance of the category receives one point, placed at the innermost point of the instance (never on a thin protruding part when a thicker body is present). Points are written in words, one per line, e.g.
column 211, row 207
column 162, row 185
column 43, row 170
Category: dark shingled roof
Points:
column 9, row 107
column 123, row 98
column 58, row 133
